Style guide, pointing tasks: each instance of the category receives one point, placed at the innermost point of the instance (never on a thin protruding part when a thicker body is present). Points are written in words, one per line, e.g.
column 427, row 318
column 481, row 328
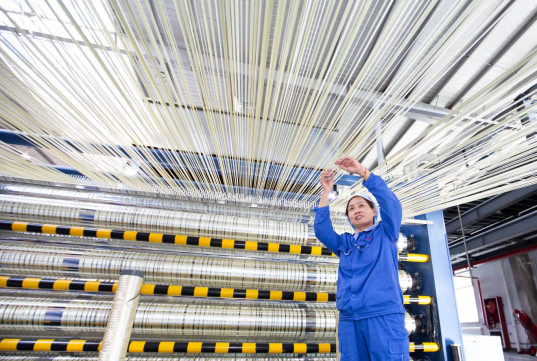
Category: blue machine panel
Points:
column 436, row 280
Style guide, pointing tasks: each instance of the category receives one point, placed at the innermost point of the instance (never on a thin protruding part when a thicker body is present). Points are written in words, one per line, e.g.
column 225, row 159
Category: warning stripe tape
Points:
column 413, row 257
column 62, row 284
column 167, row 346
column 15, row 344
column 169, row 290
column 181, row 240
column 163, row 238
column 425, row 347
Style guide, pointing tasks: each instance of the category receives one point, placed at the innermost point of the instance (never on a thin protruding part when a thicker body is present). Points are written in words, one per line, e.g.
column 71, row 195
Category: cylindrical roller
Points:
column 139, row 346
column 161, row 238
column 161, row 202
column 71, row 261
column 179, row 240
column 189, row 319
column 190, row 347
column 410, row 323
column 47, row 260
column 66, row 284
column 180, row 357
column 408, row 282
column 405, row 244
column 425, row 347
column 179, row 319
column 68, row 212
column 420, row 300
column 414, row 257
column 413, row 324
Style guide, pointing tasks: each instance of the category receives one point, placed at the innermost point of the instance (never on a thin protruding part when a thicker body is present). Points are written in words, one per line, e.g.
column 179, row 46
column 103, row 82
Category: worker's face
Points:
column 360, row 213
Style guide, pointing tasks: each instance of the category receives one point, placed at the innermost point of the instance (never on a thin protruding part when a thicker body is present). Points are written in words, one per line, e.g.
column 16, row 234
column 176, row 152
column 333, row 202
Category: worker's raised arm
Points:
column 390, row 207
column 352, row 166
column 324, row 231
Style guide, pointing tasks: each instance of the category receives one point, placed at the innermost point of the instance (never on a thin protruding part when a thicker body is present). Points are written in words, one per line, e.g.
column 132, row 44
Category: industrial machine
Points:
column 219, row 280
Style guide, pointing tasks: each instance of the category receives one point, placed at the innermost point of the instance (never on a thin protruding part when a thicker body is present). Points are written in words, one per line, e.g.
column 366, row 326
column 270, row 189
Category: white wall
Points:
column 496, row 280
column 533, row 259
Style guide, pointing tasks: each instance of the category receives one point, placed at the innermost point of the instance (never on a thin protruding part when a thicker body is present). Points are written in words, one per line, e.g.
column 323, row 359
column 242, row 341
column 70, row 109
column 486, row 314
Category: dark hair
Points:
column 367, row 200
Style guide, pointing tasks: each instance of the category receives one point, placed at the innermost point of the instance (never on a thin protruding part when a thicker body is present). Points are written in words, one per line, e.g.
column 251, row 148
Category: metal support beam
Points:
column 495, row 58
column 443, row 278
column 505, row 232
column 489, row 207
column 448, row 75
column 521, row 246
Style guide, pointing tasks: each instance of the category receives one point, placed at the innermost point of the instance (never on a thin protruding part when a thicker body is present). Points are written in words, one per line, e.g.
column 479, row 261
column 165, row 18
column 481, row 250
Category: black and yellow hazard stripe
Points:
column 229, row 347
column 425, row 347
column 181, row 240
column 16, row 344
column 63, row 284
column 413, row 257
column 163, row 238
column 59, row 284
column 420, row 300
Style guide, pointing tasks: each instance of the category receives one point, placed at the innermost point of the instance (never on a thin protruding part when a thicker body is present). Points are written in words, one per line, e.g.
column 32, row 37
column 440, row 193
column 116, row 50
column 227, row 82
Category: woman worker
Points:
column 369, row 298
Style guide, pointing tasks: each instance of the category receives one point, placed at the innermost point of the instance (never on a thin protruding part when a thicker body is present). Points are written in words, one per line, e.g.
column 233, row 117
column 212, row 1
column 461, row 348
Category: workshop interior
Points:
column 160, row 164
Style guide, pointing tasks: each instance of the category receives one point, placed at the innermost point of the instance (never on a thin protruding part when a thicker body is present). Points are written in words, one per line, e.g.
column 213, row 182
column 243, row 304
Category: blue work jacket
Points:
column 368, row 278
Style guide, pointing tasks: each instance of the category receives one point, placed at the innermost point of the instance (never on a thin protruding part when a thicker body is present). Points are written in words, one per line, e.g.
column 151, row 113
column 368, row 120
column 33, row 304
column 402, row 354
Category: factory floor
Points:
column 514, row 356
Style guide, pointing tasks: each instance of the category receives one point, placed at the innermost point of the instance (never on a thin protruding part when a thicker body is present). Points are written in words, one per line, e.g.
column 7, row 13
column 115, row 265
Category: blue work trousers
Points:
column 382, row 338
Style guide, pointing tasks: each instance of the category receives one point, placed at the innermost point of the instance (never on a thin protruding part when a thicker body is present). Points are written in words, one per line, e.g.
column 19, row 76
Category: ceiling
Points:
column 264, row 95
column 492, row 228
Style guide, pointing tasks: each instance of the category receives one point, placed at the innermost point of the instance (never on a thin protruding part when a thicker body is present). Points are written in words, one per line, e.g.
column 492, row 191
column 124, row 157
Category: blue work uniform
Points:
column 369, row 298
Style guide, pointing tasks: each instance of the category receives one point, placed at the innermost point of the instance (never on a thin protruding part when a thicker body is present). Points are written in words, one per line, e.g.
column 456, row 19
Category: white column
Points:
column 503, row 264
column 118, row 331
column 338, row 355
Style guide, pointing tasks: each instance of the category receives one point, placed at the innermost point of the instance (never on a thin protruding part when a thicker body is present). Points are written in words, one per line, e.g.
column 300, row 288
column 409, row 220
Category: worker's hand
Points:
column 327, row 180
column 351, row 165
